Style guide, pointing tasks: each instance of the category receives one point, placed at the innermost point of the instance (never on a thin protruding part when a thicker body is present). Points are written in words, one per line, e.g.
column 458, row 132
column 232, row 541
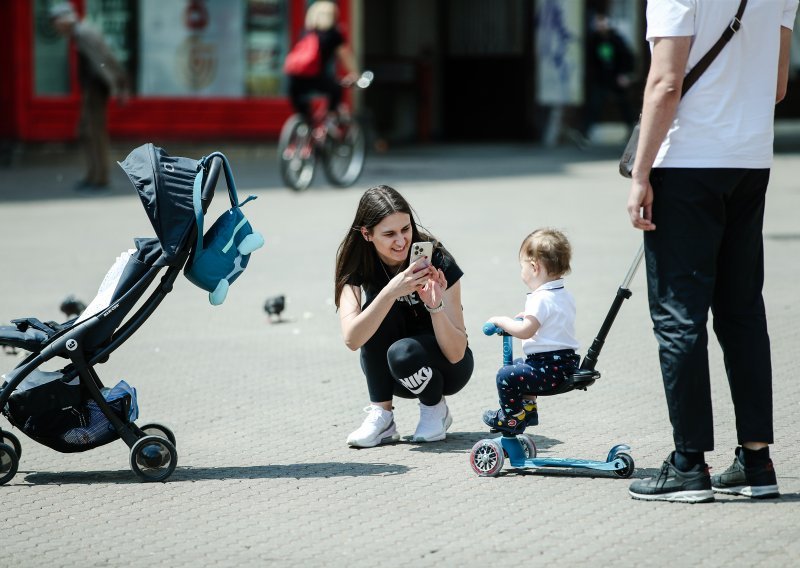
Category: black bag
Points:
column 629, row 154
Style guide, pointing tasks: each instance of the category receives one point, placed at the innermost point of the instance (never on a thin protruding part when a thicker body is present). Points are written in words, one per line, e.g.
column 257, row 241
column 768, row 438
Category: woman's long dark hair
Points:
column 356, row 256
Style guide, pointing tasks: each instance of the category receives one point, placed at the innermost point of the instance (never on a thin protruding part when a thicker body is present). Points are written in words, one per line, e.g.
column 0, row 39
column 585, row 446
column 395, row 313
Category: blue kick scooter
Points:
column 488, row 455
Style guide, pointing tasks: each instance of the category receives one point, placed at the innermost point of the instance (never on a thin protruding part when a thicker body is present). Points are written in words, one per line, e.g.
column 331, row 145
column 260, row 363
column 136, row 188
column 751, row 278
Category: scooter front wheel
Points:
column 486, row 458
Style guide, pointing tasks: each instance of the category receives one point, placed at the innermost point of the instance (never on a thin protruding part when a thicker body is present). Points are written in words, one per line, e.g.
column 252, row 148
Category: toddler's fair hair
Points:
column 550, row 247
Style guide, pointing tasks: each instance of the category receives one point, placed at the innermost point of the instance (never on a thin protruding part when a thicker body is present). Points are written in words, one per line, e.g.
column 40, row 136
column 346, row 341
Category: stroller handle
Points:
column 210, row 183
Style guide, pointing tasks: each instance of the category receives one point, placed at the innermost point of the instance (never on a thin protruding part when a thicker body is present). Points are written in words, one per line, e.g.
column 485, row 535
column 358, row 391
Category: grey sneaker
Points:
column 693, row 486
column 758, row 482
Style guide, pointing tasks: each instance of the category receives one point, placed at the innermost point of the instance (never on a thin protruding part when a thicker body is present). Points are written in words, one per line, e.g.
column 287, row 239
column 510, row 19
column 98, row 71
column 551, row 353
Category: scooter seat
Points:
column 583, row 378
column 579, row 379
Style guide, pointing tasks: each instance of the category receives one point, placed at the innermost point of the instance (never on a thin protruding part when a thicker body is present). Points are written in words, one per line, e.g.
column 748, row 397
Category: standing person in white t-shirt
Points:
column 698, row 192
column 547, row 330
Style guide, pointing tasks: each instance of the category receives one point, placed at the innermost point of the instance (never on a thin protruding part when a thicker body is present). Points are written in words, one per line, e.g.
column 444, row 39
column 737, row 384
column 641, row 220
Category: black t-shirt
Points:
column 409, row 309
column 329, row 41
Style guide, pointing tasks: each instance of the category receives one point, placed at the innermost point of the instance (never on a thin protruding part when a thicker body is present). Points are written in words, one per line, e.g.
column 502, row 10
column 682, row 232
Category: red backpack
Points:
column 304, row 59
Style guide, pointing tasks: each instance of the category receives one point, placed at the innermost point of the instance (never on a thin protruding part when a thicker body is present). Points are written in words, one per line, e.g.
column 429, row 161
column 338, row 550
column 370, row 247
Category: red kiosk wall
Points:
column 32, row 118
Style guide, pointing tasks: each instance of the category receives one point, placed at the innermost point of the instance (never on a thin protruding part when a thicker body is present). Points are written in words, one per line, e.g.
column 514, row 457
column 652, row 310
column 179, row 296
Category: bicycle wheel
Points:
column 296, row 155
column 344, row 154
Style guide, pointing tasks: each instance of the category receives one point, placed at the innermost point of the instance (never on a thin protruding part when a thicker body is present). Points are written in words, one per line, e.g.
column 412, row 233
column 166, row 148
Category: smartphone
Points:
column 421, row 250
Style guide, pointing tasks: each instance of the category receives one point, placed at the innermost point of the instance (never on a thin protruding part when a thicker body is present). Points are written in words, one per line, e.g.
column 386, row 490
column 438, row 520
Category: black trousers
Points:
column 410, row 366
column 301, row 89
column 707, row 253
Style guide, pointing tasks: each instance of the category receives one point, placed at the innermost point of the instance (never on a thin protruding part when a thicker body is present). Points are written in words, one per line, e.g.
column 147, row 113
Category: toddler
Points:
column 547, row 331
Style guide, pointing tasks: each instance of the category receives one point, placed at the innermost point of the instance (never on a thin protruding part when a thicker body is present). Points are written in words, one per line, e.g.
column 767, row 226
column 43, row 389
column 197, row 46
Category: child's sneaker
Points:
column 758, row 482
column 499, row 422
column 672, row 484
column 378, row 428
column 531, row 418
column 433, row 422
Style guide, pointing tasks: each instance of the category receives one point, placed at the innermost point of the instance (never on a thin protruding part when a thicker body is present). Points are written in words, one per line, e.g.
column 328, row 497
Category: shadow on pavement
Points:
column 462, row 442
column 293, row 471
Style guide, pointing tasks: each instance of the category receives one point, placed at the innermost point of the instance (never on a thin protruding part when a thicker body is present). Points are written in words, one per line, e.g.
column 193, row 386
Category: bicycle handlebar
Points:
column 364, row 80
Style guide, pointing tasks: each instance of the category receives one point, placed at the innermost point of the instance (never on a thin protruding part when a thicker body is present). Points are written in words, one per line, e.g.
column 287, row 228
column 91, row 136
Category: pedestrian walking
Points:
column 101, row 76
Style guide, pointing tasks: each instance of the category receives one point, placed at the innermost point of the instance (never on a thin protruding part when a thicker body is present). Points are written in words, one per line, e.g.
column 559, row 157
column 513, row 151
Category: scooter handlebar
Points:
column 491, row 329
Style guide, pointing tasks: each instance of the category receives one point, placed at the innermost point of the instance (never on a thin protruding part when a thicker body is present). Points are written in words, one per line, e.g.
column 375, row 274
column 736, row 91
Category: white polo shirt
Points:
column 554, row 308
column 726, row 119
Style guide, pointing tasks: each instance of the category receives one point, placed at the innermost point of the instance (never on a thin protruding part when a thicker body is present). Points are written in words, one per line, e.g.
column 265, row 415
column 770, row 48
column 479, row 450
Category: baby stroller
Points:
column 70, row 410
column 488, row 455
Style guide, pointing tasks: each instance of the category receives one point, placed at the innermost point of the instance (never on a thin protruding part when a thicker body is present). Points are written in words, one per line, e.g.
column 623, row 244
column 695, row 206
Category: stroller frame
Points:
column 488, row 455
column 153, row 456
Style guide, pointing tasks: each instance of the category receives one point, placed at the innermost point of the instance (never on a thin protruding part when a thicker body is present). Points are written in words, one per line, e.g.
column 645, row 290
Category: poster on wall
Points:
column 559, row 52
column 191, row 48
column 267, row 37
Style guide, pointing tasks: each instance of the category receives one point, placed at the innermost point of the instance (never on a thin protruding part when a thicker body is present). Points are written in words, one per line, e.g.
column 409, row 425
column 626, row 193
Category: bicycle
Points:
column 338, row 139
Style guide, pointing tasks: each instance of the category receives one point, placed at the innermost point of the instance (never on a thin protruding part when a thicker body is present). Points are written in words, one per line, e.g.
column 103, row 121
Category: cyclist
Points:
column 322, row 19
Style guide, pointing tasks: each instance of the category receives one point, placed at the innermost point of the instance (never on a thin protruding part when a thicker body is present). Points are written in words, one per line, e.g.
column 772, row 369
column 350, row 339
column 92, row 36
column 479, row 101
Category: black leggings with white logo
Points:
column 411, row 367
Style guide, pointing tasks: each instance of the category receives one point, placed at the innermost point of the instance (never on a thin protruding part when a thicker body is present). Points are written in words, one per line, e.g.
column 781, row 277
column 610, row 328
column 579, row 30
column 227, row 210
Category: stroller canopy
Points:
column 164, row 184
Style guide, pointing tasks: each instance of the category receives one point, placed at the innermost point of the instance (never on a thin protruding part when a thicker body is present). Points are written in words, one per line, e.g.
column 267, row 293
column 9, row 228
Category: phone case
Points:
column 421, row 249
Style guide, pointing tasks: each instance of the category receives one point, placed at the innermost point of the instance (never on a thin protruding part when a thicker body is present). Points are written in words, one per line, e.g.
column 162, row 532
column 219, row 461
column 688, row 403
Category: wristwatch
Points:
column 435, row 310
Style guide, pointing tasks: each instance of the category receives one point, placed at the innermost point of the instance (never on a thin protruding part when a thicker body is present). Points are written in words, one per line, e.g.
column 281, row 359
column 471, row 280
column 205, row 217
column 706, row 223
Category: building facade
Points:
column 445, row 69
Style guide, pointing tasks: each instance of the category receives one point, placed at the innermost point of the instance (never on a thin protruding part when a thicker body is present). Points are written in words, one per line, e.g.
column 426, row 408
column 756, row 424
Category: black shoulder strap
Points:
column 702, row 65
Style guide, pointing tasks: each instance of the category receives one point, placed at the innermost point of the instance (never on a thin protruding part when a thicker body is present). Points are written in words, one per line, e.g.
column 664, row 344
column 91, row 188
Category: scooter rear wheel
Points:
column 486, row 458
column 626, row 471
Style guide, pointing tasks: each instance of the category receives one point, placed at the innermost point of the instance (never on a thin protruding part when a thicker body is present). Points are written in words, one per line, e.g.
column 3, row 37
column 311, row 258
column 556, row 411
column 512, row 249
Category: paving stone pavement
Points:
column 261, row 410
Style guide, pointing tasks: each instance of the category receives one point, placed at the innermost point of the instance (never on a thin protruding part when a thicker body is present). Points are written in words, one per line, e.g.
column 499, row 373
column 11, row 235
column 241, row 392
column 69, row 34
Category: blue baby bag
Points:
column 221, row 254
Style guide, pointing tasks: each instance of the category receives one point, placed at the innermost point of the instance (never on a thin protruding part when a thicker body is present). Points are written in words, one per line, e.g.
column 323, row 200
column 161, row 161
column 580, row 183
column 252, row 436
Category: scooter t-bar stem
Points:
column 623, row 293
column 634, row 267
column 508, row 341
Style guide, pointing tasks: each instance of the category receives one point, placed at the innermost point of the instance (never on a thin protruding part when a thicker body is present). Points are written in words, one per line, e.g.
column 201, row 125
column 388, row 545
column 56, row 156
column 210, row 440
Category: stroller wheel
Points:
column 155, row 429
column 153, row 458
column 626, row 471
column 486, row 458
column 9, row 462
column 11, row 440
column 528, row 445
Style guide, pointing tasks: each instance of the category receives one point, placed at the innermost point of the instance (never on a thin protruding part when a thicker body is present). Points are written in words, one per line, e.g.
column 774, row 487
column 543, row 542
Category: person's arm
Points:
column 521, row 327
column 347, row 60
column 783, row 64
column 359, row 325
column 448, row 325
column 662, row 94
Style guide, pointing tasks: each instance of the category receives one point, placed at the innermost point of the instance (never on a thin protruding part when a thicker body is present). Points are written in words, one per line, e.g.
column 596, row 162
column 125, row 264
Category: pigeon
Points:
column 274, row 306
column 72, row 306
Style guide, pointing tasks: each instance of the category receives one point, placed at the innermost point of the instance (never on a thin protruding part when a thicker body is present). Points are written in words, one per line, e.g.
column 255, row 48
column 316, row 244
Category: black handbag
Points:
column 629, row 154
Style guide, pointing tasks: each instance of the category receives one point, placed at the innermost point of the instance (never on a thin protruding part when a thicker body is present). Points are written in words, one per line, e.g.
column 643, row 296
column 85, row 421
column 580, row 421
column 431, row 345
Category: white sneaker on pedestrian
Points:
column 378, row 428
column 433, row 422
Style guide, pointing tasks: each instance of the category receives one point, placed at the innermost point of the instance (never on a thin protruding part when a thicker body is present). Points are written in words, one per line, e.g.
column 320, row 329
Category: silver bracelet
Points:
column 435, row 310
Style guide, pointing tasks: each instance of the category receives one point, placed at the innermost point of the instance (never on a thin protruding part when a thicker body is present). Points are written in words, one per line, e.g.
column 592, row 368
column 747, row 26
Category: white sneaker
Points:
column 433, row 422
column 378, row 428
